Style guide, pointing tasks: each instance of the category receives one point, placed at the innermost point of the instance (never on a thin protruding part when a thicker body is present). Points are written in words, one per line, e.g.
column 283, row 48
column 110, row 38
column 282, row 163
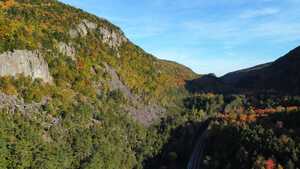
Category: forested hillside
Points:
column 76, row 93
column 281, row 76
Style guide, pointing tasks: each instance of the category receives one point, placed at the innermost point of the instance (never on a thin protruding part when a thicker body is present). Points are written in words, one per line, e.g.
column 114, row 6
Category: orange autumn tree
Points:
column 7, row 4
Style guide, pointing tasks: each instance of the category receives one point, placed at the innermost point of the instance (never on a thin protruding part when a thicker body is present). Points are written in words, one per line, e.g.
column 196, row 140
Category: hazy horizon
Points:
column 208, row 37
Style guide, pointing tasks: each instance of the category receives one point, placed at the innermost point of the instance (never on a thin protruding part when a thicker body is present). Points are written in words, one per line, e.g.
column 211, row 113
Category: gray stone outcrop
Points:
column 116, row 83
column 82, row 29
column 113, row 38
column 13, row 104
column 28, row 63
column 67, row 49
column 143, row 113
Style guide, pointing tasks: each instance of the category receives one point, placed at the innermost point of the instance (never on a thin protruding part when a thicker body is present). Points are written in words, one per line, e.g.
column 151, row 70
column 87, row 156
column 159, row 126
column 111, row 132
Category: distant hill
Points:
column 281, row 75
column 76, row 93
column 206, row 83
column 235, row 76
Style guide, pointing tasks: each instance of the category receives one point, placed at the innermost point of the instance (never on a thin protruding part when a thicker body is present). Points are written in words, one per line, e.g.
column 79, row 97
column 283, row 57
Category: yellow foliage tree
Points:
column 10, row 90
column 7, row 4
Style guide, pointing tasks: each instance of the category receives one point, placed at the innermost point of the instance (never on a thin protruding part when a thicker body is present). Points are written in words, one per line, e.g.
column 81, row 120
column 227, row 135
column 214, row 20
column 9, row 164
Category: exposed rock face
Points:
column 67, row 49
column 143, row 113
column 116, row 83
column 89, row 25
column 113, row 38
column 82, row 29
column 13, row 104
column 73, row 33
column 24, row 62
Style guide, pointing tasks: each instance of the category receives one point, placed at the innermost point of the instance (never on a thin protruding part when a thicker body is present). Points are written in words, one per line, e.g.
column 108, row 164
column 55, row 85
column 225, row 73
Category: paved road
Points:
column 197, row 155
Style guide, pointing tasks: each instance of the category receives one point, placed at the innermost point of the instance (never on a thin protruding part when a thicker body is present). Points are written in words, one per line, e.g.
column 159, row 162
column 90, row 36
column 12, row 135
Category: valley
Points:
column 76, row 93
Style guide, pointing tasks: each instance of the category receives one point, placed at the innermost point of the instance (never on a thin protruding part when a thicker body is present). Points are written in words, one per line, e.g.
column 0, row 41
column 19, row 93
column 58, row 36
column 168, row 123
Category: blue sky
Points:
column 215, row 36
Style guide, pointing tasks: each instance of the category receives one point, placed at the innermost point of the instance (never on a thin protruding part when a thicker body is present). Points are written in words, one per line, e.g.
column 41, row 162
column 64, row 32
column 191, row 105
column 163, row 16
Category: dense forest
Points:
column 111, row 105
column 79, row 120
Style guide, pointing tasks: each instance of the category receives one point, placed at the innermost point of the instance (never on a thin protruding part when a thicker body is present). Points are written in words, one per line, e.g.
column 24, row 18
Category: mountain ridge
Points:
column 280, row 75
column 76, row 93
column 84, row 43
column 83, row 95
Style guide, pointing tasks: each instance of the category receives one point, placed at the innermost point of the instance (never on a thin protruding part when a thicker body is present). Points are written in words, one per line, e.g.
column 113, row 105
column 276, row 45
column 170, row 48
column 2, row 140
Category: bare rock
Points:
column 12, row 104
column 82, row 29
column 67, row 49
column 89, row 25
column 116, row 83
column 73, row 33
column 143, row 113
column 112, row 38
column 28, row 63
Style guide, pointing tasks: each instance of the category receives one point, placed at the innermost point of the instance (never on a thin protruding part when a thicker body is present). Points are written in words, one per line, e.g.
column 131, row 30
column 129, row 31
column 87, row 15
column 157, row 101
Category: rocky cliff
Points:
column 28, row 63
column 72, row 49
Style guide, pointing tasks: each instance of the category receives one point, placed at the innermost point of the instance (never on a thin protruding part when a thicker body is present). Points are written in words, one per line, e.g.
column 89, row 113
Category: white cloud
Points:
column 236, row 31
column 209, row 36
column 259, row 12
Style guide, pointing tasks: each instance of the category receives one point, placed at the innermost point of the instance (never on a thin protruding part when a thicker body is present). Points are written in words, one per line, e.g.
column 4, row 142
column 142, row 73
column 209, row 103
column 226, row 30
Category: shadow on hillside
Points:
column 283, row 122
column 208, row 83
column 176, row 153
column 262, row 137
column 211, row 84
